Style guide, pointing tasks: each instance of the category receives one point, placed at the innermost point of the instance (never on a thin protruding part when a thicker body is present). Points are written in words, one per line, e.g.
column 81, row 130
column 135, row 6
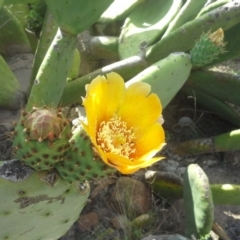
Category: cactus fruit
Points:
column 80, row 162
column 198, row 202
column 166, row 76
column 207, row 48
column 145, row 24
column 31, row 209
column 41, row 138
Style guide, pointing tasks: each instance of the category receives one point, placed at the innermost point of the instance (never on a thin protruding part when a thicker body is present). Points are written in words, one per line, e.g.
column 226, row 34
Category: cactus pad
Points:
column 80, row 163
column 198, row 202
column 34, row 210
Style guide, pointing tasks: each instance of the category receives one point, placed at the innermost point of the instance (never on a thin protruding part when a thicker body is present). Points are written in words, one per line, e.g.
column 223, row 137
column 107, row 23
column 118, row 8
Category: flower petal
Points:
column 103, row 99
column 149, row 142
column 138, row 108
column 131, row 169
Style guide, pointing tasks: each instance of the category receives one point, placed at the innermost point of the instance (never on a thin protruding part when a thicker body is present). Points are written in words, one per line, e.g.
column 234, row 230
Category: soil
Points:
column 107, row 218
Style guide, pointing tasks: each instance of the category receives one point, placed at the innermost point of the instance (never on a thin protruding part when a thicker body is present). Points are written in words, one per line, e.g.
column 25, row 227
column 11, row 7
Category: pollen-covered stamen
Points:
column 116, row 137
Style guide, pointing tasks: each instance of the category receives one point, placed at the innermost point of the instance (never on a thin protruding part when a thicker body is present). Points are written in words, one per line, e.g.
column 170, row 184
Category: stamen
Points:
column 114, row 136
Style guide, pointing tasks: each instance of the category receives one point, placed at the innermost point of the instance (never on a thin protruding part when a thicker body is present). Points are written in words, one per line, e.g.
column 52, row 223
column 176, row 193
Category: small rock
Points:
column 8, row 117
column 191, row 159
column 210, row 162
column 165, row 237
column 131, row 197
column 21, row 65
column 102, row 213
column 120, row 222
column 88, row 221
column 168, row 165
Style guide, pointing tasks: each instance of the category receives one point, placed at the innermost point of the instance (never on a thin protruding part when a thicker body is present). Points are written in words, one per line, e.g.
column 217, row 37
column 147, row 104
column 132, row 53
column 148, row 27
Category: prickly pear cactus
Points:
column 41, row 207
column 207, row 48
column 80, row 162
column 41, row 138
column 198, row 202
column 166, row 76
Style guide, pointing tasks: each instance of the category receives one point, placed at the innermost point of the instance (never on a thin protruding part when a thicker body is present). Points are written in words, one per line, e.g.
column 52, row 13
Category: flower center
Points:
column 114, row 136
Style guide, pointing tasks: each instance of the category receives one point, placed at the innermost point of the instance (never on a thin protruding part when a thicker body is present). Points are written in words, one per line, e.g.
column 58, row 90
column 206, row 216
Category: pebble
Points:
column 88, row 221
column 120, row 222
column 131, row 197
column 165, row 237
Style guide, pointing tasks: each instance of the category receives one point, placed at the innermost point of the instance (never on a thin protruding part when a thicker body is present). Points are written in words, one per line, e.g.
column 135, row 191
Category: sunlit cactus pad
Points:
column 80, row 163
column 34, row 210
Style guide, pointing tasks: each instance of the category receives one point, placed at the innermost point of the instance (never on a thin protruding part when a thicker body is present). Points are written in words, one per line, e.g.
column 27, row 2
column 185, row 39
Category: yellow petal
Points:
column 151, row 141
column 135, row 106
column 138, row 108
column 113, row 96
column 118, row 160
column 92, row 102
column 103, row 99
column 132, row 169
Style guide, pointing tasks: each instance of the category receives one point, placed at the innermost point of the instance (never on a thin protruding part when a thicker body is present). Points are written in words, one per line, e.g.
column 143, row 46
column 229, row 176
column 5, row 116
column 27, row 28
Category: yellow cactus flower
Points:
column 217, row 37
column 123, row 123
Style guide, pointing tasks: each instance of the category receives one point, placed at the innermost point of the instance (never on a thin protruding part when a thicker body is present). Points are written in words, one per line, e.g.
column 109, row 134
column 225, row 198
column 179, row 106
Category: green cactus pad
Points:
column 221, row 85
column 80, row 163
column 44, row 154
column 205, row 51
column 165, row 184
column 198, row 202
column 118, row 10
column 184, row 38
column 11, row 96
column 232, row 38
column 10, row 28
column 214, row 105
column 33, row 210
column 74, row 16
column 145, row 24
column 166, row 76
column 187, row 13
